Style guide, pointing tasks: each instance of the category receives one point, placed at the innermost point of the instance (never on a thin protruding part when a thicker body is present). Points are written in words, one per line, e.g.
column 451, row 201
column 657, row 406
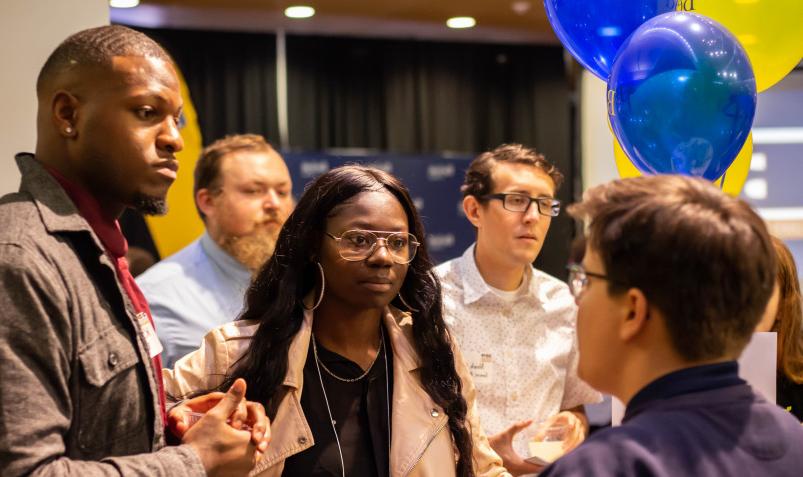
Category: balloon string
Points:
column 722, row 181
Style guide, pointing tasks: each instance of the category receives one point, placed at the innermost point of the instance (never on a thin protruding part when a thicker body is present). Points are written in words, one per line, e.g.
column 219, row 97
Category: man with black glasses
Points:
column 675, row 277
column 515, row 324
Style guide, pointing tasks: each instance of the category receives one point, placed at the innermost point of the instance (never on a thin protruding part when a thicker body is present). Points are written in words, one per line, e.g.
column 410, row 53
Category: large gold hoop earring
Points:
column 409, row 308
column 323, row 288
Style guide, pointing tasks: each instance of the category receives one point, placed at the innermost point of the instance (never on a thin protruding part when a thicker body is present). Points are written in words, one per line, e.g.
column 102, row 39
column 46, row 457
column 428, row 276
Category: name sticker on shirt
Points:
column 481, row 366
column 149, row 334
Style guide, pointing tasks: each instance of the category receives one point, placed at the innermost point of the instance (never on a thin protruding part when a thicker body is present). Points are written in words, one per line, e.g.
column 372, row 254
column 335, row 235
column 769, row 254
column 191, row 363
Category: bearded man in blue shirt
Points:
column 243, row 193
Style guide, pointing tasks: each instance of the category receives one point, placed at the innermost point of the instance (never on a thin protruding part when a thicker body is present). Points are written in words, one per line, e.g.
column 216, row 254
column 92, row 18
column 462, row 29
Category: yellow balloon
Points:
column 771, row 31
column 734, row 178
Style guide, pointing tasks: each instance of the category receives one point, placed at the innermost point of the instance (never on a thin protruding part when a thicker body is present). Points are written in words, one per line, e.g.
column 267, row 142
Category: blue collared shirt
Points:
column 198, row 288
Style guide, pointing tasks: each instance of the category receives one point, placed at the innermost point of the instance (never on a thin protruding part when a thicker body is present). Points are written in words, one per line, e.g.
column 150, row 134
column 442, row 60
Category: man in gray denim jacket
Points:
column 80, row 377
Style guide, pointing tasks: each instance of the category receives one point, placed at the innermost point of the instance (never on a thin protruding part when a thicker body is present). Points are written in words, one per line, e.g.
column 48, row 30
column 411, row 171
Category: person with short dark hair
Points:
column 343, row 340
column 243, row 193
column 674, row 280
column 514, row 323
column 80, row 366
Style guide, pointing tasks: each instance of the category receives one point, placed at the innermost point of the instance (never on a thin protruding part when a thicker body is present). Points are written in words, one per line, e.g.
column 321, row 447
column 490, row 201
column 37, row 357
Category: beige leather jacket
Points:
column 421, row 444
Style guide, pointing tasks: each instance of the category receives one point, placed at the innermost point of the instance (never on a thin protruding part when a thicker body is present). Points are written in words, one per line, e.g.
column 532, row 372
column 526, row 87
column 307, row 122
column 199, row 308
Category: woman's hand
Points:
column 246, row 415
column 177, row 417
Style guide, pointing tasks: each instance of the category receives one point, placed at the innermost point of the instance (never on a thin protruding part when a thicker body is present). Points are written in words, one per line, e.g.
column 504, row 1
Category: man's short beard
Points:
column 149, row 205
column 252, row 250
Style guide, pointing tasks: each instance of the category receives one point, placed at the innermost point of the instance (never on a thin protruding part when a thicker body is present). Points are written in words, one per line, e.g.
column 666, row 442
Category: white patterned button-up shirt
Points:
column 521, row 347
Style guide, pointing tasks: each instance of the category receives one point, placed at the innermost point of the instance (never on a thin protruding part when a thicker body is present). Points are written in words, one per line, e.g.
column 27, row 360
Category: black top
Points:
column 361, row 412
column 790, row 395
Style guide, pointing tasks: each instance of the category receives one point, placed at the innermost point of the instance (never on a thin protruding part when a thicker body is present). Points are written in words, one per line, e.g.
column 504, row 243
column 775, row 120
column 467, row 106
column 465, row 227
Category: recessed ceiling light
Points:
column 461, row 22
column 521, row 7
column 299, row 11
column 123, row 3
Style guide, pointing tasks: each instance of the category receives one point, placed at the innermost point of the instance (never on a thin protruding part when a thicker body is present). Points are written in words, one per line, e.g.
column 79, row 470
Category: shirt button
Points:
column 302, row 440
column 514, row 396
column 113, row 359
column 434, row 413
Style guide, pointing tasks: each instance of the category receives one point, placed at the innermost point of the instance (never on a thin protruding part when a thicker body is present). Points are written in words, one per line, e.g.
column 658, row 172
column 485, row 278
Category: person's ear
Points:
column 472, row 209
column 205, row 200
column 64, row 113
column 635, row 313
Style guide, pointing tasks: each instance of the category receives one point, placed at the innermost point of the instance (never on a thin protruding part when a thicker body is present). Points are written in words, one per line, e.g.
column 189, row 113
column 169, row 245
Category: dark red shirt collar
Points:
column 107, row 229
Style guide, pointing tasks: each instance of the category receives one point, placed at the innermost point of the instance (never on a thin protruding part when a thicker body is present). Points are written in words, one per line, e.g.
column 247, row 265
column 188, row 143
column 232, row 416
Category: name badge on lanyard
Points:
column 149, row 334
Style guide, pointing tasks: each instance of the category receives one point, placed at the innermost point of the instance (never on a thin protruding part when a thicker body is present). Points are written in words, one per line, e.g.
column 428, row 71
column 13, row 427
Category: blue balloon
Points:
column 682, row 96
column 594, row 31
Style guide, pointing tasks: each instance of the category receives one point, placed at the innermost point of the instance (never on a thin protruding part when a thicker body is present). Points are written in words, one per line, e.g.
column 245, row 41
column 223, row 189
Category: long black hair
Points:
column 275, row 300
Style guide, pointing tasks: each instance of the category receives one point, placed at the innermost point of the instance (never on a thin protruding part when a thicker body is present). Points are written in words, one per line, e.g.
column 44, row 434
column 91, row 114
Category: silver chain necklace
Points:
column 318, row 365
column 349, row 380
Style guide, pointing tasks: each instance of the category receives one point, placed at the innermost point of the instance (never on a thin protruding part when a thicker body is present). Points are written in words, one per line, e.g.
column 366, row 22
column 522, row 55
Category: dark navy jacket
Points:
column 701, row 421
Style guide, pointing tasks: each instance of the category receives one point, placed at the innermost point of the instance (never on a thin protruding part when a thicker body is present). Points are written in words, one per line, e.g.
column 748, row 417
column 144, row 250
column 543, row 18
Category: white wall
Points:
column 596, row 140
column 29, row 31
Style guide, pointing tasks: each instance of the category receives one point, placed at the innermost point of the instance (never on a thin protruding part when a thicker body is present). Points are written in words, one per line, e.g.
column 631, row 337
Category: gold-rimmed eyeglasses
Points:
column 356, row 245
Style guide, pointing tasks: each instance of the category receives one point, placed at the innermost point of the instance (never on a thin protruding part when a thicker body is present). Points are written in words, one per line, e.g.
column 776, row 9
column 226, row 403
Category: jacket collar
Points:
column 398, row 324
column 106, row 228
column 414, row 412
column 58, row 212
column 297, row 354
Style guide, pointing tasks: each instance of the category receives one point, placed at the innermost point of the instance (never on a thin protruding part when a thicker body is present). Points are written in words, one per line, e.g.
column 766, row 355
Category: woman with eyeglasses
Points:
column 343, row 340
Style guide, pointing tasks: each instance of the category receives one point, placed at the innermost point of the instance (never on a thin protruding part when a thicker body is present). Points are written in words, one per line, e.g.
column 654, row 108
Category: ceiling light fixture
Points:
column 461, row 22
column 123, row 3
column 299, row 11
column 521, row 7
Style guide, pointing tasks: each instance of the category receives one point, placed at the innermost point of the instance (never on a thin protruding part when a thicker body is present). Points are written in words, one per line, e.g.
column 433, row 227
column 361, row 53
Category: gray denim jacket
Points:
column 78, row 394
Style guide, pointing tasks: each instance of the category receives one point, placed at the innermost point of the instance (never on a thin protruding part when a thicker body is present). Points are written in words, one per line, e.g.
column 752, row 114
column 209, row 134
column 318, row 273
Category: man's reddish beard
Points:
column 254, row 249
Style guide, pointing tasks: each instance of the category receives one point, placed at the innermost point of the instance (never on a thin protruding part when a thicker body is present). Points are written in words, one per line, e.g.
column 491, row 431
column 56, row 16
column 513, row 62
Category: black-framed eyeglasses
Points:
column 516, row 202
column 356, row 245
column 578, row 279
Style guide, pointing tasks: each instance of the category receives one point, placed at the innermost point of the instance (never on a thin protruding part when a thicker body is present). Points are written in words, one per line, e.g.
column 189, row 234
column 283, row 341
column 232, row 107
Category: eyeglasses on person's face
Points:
column 516, row 202
column 578, row 279
column 356, row 245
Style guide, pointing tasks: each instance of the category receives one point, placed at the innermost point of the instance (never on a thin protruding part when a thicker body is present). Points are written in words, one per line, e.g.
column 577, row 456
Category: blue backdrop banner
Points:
column 434, row 183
